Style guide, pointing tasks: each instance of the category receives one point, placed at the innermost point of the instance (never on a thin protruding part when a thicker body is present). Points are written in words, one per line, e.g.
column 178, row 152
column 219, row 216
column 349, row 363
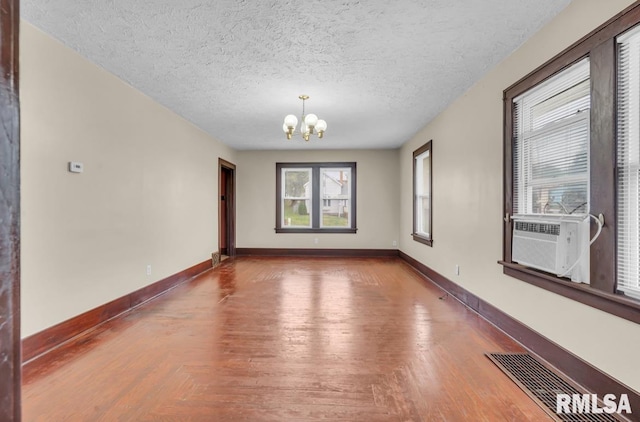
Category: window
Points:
column 316, row 197
column 628, row 160
column 422, row 195
column 551, row 145
column 572, row 153
column 551, row 174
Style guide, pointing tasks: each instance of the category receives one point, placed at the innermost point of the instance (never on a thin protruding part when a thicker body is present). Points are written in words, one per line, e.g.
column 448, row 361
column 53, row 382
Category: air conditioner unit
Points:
column 552, row 244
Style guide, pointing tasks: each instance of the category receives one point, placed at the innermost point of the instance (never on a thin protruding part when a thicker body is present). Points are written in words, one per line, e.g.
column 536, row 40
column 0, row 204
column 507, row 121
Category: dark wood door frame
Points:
column 10, row 364
column 227, row 206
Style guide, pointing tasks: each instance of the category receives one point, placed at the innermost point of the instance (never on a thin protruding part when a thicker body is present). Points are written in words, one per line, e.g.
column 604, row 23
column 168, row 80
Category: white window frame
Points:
column 341, row 197
column 306, row 197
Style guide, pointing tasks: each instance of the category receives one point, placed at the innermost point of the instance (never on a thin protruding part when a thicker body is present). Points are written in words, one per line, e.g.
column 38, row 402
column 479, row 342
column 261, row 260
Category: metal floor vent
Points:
column 542, row 385
column 215, row 258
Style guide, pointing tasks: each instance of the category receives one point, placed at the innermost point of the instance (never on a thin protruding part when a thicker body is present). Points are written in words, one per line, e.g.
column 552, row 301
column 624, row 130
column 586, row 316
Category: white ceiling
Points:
column 376, row 70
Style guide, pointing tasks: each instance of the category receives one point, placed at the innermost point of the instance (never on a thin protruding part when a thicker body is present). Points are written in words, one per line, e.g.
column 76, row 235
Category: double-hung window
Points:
column 551, row 174
column 315, row 197
column 422, row 219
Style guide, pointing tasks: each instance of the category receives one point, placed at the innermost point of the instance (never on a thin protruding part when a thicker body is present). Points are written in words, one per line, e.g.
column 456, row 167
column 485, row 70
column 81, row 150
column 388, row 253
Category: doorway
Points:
column 226, row 208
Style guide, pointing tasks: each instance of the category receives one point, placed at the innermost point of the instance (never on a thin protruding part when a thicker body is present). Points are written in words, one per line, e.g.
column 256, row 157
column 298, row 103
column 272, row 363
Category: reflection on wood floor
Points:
column 285, row 339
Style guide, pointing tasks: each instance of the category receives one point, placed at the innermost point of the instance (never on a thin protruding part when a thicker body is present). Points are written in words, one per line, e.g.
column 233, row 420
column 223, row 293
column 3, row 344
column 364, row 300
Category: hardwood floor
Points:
column 285, row 339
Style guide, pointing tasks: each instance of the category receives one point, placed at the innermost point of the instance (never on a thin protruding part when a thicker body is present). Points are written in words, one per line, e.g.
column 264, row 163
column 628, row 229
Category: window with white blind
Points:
column 628, row 163
column 551, row 145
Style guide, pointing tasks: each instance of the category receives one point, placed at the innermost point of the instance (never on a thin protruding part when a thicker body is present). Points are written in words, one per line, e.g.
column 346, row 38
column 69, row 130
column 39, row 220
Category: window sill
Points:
column 301, row 230
column 422, row 239
column 614, row 304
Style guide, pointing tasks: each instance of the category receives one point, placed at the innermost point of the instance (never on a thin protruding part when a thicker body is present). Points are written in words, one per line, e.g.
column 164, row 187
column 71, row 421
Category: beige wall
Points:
column 147, row 194
column 467, row 208
column 377, row 200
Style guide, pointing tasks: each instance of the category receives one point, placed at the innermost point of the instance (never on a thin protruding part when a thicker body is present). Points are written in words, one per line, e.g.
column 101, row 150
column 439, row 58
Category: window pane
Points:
column 551, row 145
column 296, row 201
column 558, row 167
column 628, row 148
column 335, row 186
column 423, row 204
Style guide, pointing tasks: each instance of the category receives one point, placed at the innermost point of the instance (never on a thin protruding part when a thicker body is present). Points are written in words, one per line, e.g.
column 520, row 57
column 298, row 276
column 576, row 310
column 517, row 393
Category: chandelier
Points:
column 310, row 124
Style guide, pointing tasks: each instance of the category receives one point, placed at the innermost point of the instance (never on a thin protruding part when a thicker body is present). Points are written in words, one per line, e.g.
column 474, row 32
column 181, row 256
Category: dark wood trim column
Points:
column 10, row 375
column 603, row 159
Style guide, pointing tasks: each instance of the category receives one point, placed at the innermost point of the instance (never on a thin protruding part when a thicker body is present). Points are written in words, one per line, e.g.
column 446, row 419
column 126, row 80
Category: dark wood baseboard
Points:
column 560, row 358
column 349, row 253
column 52, row 337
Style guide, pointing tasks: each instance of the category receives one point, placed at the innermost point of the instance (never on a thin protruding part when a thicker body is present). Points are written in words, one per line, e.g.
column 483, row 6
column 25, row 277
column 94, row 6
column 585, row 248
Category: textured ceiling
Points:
column 377, row 71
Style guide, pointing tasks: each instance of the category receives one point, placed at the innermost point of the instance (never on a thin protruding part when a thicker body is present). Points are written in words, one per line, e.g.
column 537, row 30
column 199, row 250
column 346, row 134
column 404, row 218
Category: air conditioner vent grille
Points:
column 545, row 228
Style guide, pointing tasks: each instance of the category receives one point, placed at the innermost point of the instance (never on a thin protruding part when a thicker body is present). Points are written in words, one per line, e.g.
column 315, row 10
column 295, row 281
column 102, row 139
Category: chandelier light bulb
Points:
column 287, row 131
column 321, row 126
column 290, row 121
column 311, row 120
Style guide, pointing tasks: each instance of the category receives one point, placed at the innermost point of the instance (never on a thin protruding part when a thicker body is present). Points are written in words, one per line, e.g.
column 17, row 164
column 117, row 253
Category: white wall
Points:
column 377, row 200
column 467, row 205
column 147, row 195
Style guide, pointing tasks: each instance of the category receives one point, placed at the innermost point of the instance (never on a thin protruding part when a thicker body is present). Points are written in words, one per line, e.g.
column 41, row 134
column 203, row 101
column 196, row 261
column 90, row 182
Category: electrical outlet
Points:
column 315, row 240
column 394, row 243
column 149, row 269
column 457, row 269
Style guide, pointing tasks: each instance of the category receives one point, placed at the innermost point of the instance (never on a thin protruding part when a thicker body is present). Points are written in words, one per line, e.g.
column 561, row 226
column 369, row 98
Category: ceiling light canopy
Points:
column 310, row 124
